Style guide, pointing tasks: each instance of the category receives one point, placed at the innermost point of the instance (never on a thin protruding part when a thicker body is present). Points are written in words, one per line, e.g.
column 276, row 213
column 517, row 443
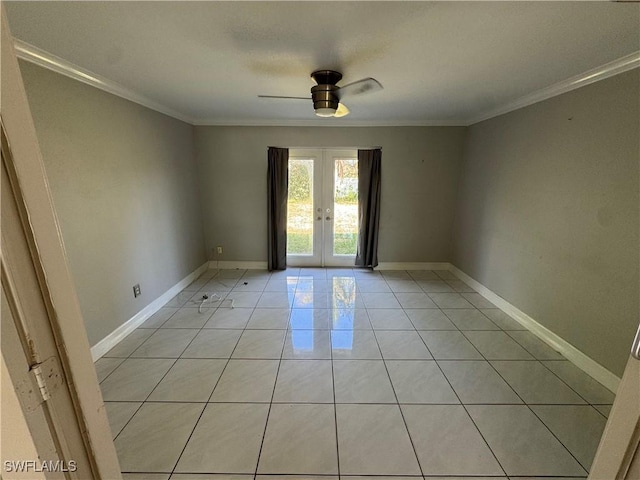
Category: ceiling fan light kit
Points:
column 325, row 111
column 327, row 96
column 325, row 99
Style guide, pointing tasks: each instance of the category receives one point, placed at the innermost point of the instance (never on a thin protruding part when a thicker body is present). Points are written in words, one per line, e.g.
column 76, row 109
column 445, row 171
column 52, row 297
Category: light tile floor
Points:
column 343, row 373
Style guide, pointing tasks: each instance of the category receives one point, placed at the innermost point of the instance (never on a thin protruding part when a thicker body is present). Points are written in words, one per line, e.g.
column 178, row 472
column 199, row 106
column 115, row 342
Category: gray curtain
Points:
column 277, row 191
column 369, row 169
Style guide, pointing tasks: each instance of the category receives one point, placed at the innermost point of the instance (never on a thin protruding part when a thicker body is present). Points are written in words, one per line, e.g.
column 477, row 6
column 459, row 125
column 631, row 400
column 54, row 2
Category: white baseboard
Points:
column 231, row 265
column 571, row 353
column 111, row 340
column 412, row 266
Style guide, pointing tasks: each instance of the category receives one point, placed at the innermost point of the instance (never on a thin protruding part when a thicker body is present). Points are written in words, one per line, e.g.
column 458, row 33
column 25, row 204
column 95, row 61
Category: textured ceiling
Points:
column 439, row 62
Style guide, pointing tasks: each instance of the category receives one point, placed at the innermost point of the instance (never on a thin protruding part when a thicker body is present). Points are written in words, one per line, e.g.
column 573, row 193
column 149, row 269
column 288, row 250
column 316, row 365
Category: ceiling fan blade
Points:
column 341, row 111
column 366, row 85
column 286, row 98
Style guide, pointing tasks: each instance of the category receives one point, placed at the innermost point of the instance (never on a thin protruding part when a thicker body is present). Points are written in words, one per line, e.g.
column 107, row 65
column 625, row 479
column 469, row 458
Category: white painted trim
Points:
column 59, row 65
column 111, row 340
column 231, row 265
column 571, row 353
column 623, row 64
column 412, row 266
column 40, row 57
column 325, row 122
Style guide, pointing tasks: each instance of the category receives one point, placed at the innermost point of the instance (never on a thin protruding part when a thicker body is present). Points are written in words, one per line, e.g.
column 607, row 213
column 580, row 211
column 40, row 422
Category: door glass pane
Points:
column 300, row 207
column 345, row 208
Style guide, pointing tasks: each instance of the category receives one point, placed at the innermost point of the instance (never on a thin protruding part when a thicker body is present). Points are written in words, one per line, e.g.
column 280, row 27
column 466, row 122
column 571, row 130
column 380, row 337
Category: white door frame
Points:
column 315, row 259
column 323, row 208
column 44, row 343
column 330, row 156
column 618, row 455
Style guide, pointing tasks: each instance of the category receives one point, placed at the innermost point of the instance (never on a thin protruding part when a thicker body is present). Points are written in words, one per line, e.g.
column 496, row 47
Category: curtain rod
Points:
column 328, row 148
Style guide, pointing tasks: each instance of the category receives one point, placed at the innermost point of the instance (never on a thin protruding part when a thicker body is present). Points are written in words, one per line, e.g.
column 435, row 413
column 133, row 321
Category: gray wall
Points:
column 548, row 214
column 547, row 211
column 420, row 171
column 123, row 179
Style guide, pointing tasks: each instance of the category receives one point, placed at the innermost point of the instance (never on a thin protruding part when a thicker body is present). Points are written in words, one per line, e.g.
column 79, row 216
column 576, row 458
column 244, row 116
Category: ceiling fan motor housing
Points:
column 324, row 95
column 326, row 77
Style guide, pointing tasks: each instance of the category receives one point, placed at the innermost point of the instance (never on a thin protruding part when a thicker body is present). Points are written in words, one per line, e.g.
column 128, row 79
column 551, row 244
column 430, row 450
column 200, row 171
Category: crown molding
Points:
column 32, row 54
column 623, row 64
column 42, row 58
column 325, row 123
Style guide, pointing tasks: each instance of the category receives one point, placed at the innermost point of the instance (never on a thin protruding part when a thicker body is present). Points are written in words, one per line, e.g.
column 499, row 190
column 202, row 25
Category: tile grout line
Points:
column 181, row 353
column 217, row 381
column 335, row 406
column 471, row 418
column 209, row 398
column 173, row 364
column 275, row 382
column 206, row 403
column 533, row 359
column 152, row 390
column 127, row 358
column 166, row 373
column 123, row 359
column 524, row 403
column 463, row 405
column 255, row 402
column 573, row 389
column 541, row 361
column 404, row 421
column 559, row 441
column 374, row 331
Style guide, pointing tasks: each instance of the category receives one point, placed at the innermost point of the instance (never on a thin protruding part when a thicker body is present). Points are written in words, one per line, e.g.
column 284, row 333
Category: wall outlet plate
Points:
column 219, row 249
column 136, row 290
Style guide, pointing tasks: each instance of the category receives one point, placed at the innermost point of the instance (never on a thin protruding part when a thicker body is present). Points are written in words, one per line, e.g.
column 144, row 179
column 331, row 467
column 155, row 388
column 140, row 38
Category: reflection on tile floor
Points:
column 345, row 374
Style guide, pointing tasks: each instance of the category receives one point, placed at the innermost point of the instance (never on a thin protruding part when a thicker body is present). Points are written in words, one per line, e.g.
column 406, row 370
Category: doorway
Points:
column 322, row 207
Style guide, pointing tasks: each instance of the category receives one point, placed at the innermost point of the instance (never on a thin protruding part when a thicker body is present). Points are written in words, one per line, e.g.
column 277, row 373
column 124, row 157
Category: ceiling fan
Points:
column 327, row 96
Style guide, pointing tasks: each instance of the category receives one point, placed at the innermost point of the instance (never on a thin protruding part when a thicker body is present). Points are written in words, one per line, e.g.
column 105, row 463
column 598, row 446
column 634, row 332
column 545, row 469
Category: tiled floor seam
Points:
column 462, row 403
column 375, row 335
column 210, row 395
column 563, row 381
column 586, row 468
column 128, row 357
column 534, row 413
column 266, row 423
column 146, row 398
column 526, row 404
column 335, row 412
column 404, row 421
column 454, row 391
column 469, row 415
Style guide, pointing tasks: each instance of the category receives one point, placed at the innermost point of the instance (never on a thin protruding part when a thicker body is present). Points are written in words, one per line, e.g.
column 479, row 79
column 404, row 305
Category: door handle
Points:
column 635, row 347
column 319, row 218
column 328, row 218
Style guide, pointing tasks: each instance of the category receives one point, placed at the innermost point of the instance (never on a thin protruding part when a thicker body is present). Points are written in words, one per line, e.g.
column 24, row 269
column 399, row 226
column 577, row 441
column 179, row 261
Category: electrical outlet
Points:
column 219, row 249
column 136, row 290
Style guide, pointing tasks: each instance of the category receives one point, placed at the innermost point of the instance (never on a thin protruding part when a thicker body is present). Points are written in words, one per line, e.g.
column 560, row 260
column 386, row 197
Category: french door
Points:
column 322, row 207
